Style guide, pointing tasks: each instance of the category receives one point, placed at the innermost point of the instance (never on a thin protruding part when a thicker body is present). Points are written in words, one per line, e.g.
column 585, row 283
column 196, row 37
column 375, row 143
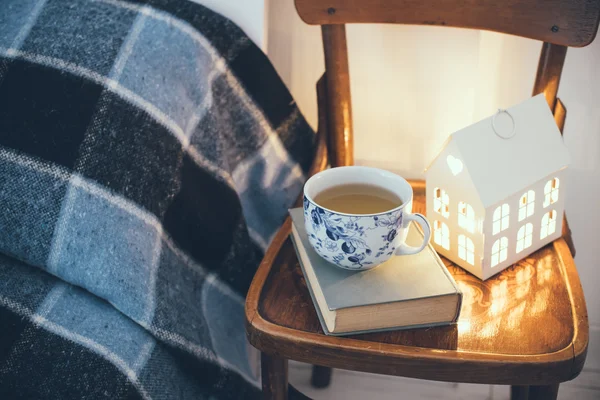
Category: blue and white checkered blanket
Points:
column 148, row 153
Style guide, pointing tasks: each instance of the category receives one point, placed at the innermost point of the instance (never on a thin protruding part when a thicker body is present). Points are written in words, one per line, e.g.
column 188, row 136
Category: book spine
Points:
column 458, row 306
column 296, row 241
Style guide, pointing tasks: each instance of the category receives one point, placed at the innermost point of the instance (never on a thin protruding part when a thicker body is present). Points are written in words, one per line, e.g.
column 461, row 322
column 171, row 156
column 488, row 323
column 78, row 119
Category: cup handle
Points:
column 404, row 249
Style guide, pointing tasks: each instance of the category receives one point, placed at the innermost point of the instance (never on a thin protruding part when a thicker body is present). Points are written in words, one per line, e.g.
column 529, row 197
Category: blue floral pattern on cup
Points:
column 342, row 239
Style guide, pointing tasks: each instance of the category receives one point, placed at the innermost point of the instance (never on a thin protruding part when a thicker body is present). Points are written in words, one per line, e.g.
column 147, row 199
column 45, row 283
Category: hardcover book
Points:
column 405, row 292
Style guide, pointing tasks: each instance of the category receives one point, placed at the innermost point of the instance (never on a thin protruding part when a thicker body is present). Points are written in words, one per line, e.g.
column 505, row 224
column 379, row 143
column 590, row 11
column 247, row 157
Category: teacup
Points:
column 361, row 241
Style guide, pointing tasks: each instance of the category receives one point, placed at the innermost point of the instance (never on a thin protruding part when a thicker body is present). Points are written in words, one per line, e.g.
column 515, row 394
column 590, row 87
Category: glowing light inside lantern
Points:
column 456, row 166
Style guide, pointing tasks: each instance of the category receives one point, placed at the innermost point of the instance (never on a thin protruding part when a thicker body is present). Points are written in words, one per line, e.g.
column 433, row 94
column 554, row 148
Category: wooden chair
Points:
column 526, row 327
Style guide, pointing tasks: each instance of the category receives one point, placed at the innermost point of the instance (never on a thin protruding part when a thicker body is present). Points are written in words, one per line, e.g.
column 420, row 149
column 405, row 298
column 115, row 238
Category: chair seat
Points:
column 525, row 326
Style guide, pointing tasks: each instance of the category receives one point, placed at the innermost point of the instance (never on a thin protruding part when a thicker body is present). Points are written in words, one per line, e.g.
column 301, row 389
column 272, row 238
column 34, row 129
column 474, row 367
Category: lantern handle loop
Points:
column 514, row 125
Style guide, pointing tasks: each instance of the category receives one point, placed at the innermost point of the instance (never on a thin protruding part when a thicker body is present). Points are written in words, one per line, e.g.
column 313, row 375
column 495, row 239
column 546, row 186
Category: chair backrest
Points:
column 558, row 23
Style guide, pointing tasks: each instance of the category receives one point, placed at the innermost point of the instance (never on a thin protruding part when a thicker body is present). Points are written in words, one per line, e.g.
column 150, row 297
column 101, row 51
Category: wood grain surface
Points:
column 321, row 159
column 562, row 22
column 339, row 104
column 274, row 371
column 547, row 78
column 526, row 326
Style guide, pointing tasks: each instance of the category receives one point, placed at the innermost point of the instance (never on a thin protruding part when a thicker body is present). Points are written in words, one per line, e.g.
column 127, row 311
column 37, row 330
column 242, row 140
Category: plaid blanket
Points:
column 148, row 153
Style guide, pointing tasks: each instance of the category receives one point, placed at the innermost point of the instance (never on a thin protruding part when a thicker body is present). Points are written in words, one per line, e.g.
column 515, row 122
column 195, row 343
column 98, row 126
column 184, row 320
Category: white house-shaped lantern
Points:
column 496, row 191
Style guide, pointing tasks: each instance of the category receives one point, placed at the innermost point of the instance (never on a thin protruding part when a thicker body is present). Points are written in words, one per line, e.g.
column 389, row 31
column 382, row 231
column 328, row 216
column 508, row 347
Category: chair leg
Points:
column 519, row 392
column 547, row 392
column 321, row 376
column 274, row 377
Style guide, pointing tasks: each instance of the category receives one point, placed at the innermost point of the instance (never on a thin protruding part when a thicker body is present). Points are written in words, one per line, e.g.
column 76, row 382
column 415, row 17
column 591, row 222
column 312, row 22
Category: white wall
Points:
column 247, row 14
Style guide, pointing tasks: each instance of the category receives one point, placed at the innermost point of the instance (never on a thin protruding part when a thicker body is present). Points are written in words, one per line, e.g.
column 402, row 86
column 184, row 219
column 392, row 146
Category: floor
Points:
column 349, row 385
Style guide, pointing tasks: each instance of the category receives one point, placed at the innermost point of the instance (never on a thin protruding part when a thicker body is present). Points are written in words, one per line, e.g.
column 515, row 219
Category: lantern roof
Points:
column 506, row 153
